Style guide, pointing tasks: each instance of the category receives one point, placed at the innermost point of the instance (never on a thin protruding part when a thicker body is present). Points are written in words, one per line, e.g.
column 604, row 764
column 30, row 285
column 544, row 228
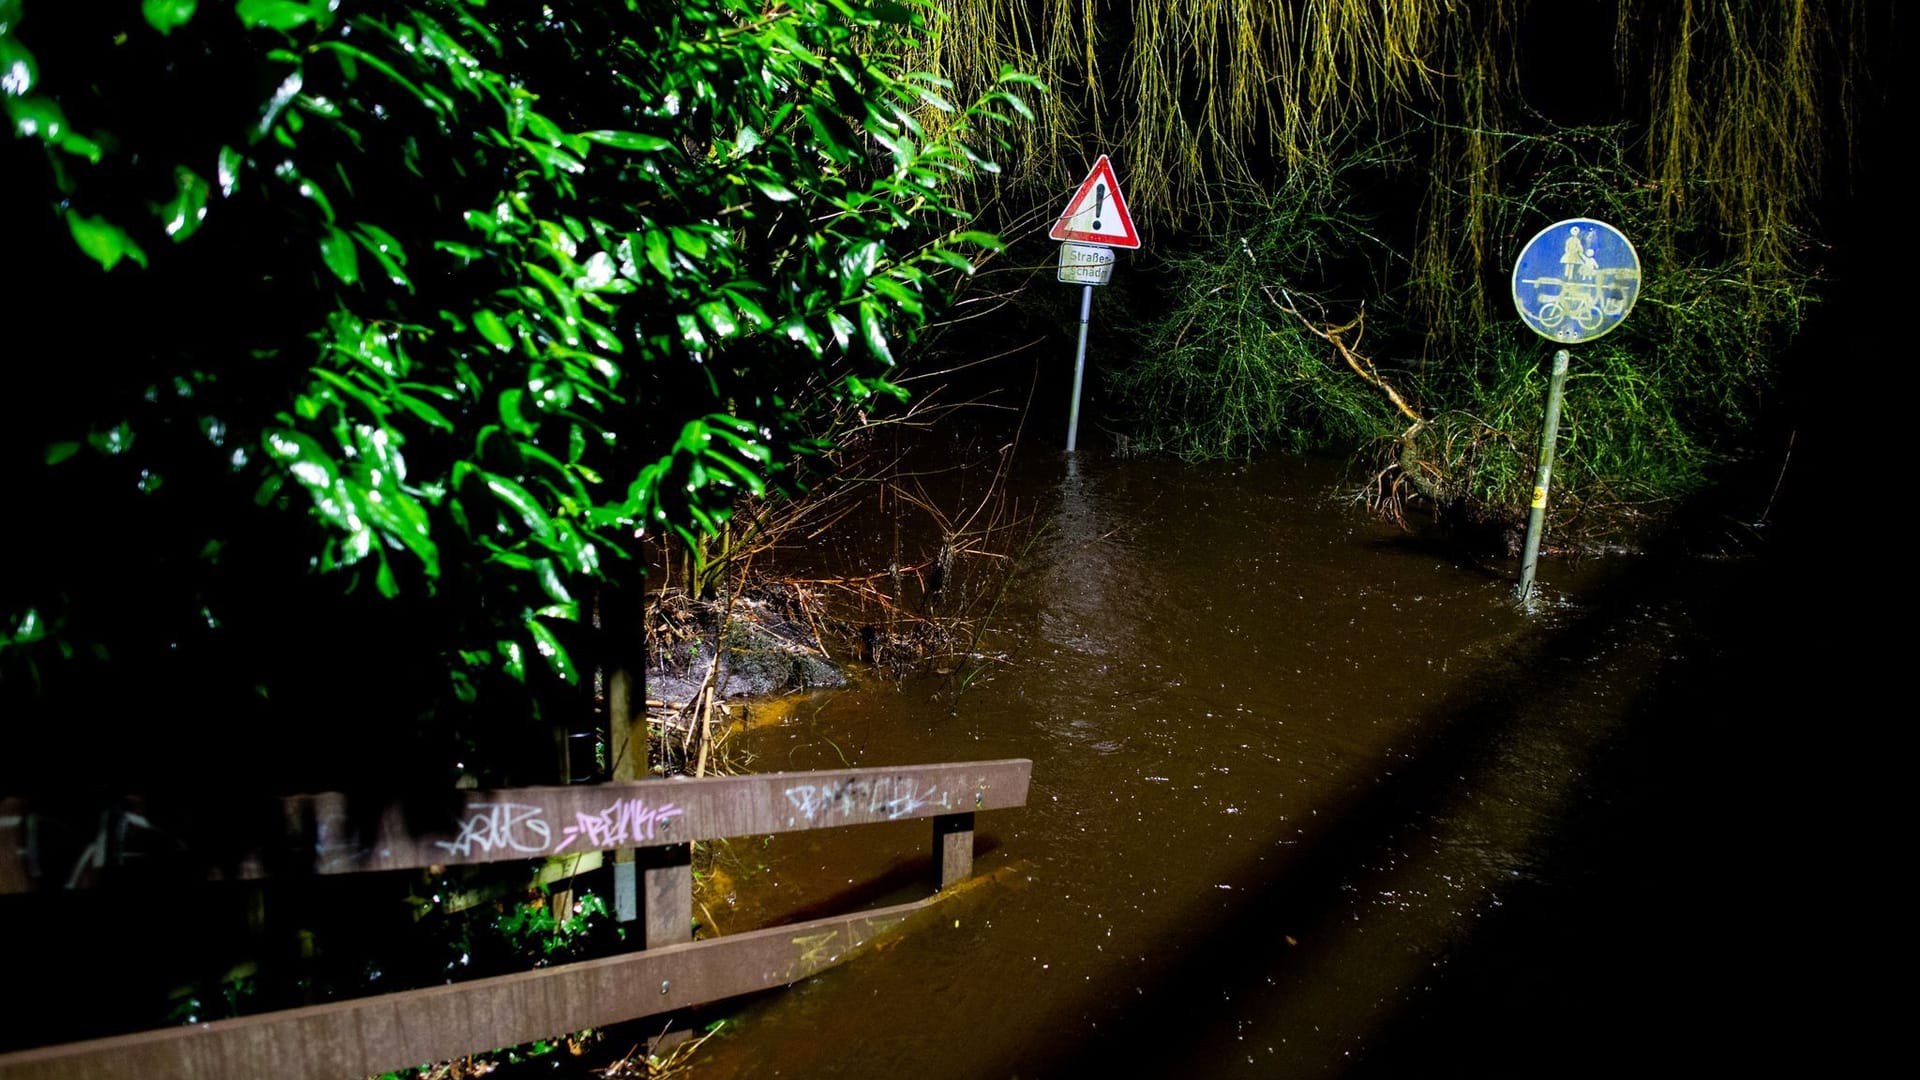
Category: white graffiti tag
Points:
column 891, row 797
column 501, row 827
column 626, row 821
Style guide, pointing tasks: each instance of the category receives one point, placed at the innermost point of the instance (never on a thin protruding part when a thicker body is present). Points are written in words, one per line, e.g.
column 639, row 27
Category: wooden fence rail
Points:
column 334, row 834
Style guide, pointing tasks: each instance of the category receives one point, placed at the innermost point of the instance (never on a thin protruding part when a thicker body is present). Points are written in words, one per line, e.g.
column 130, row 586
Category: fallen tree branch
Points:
column 1336, row 336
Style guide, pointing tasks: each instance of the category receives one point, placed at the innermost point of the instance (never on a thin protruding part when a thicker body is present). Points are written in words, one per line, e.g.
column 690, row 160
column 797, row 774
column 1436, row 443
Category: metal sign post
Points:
column 1574, row 281
column 1537, row 513
column 1089, row 265
column 1094, row 223
column 1079, row 369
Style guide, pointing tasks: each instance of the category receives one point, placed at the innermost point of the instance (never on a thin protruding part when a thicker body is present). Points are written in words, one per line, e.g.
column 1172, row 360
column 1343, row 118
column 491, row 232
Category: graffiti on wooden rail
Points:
column 891, row 796
column 624, row 822
column 502, row 826
column 523, row 829
column 52, row 849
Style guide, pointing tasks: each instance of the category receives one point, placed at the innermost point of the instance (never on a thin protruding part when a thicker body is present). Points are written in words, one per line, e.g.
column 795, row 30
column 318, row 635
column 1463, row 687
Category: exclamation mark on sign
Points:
column 1099, row 200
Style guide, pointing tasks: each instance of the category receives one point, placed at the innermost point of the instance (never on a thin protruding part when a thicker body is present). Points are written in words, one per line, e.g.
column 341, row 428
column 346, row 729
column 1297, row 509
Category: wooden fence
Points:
column 335, row 834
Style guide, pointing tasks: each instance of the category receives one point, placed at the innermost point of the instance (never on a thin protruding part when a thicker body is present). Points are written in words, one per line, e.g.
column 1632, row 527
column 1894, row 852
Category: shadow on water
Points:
column 1656, row 930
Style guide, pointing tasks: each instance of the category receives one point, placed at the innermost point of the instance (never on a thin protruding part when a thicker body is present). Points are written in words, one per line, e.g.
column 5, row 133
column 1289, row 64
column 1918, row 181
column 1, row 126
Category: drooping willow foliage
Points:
column 1730, row 103
column 1709, row 130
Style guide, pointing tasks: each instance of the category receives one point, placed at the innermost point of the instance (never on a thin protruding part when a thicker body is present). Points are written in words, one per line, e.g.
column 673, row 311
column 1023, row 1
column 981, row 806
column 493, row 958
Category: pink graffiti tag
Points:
column 626, row 821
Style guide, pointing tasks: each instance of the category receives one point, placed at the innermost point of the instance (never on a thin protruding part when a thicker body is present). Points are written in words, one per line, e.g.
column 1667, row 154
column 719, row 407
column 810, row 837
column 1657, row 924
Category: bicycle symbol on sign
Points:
column 1587, row 303
column 1597, row 279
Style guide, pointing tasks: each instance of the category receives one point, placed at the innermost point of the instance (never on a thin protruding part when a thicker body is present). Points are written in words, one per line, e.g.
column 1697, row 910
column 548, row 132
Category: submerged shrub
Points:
column 1245, row 358
column 1234, row 365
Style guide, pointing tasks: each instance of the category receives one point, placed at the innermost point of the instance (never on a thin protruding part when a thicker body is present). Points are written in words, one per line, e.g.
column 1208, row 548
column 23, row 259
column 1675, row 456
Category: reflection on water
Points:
column 1285, row 759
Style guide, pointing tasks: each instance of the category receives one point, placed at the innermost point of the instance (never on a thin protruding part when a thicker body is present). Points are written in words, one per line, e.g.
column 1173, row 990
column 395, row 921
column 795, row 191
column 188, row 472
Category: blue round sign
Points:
column 1576, row 280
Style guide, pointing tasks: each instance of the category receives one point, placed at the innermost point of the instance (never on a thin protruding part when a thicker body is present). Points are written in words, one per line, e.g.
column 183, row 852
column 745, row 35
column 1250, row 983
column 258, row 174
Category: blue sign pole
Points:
column 1574, row 281
column 1537, row 511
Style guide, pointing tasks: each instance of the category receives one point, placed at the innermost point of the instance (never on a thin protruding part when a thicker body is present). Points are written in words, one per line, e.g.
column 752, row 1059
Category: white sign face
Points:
column 1085, row 264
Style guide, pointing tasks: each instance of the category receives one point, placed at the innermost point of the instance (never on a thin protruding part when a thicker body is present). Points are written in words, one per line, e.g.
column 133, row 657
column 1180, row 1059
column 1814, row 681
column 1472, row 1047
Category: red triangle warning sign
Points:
column 1097, row 214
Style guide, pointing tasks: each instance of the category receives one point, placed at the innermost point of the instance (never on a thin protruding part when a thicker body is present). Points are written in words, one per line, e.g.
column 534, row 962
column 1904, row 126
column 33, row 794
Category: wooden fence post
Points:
column 952, row 849
column 623, row 641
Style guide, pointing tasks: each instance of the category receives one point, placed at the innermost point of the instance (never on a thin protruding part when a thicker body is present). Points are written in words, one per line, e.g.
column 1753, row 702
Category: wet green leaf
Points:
column 386, row 251
column 227, row 170
column 906, row 299
column 512, row 659
column 873, row 329
column 842, row 328
column 658, row 253
column 598, row 273
column 164, row 15
column 303, row 456
column 383, row 579
column 466, row 693
column 18, row 69
column 336, row 247
column 278, row 14
column 308, row 463
column 183, row 213
column 431, row 414
column 466, row 252
column 350, row 54
column 983, row 239
column 743, row 476
column 550, row 394
column 550, row 581
column 529, row 510
column 29, row 628
column 950, row 258
column 103, row 241
column 773, row 189
column 797, row 330
column 285, row 92
column 858, row 264
column 309, row 189
column 690, row 332
column 601, row 336
column 383, row 241
column 343, row 385
column 555, row 654
column 403, row 519
column 36, row 117
column 552, row 159
column 492, row 329
column 513, row 416
column 688, row 241
column 753, row 312
column 628, row 140
column 717, row 315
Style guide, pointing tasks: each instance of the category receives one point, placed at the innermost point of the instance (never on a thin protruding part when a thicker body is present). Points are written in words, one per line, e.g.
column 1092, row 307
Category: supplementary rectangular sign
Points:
column 1085, row 264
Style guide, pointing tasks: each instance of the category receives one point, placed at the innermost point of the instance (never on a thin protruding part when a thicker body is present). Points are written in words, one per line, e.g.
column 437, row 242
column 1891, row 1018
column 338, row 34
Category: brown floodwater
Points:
column 1291, row 765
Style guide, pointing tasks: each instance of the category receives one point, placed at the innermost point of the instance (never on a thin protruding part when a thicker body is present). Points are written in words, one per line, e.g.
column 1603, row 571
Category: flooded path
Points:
column 1309, row 798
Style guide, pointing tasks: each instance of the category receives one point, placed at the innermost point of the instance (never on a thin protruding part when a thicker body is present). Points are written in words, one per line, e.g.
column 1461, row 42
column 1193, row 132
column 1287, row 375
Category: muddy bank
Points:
column 763, row 650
